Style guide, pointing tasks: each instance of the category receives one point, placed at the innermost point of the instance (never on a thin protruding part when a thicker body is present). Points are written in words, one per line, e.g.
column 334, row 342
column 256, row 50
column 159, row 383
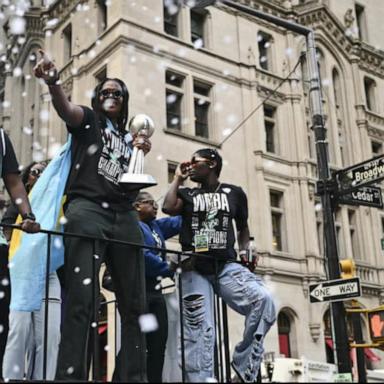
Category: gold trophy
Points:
column 135, row 178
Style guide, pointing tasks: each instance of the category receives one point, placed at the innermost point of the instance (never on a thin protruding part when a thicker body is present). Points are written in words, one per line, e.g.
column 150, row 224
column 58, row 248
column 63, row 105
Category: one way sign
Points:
column 335, row 290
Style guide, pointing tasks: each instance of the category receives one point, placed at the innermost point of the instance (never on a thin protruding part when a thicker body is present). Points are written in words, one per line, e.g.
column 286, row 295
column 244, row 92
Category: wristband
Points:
column 243, row 252
column 29, row 216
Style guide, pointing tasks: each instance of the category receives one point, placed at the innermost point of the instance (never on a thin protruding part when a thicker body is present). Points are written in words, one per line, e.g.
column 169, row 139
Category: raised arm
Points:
column 172, row 204
column 45, row 69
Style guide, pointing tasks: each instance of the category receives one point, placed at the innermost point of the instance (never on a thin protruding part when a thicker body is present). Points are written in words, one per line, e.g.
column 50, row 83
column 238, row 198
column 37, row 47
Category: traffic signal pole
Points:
column 325, row 186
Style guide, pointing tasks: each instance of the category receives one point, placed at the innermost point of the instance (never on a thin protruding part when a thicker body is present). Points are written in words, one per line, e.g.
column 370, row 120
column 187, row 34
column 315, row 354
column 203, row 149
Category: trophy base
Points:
column 136, row 181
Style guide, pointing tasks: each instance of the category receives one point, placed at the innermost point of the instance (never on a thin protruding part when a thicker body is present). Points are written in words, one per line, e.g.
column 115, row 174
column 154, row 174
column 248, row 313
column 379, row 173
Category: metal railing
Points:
column 222, row 368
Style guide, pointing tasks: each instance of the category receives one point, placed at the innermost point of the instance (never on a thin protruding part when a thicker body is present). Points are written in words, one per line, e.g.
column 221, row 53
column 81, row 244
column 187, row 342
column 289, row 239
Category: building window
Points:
column 171, row 18
column 270, row 128
column 319, row 227
column 377, row 148
column 277, row 215
column 101, row 75
column 361, row 21
column 353, row 234
column 171, row 169
column 198, row 27
column 67, row 36
column 202, row 103
column 264, row 43
column 369, row 88
column 101, row 16
column 174, row 99
column 284, row 329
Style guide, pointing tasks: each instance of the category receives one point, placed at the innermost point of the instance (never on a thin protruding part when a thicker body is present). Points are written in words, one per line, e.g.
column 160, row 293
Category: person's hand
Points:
column 30, row 226
column 45, row 69
column 249, row 261
column 182, row 170
column 142, row 142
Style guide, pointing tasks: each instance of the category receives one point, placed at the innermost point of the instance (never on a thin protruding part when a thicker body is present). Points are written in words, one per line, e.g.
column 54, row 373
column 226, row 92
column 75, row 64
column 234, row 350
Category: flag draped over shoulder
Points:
column 28, row 252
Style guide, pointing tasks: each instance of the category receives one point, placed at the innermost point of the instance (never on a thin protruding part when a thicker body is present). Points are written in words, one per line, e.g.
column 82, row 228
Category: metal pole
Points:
column 46, row 307
column 95, row 322
column 359, row 339
column 181, row 323
column 226, row 344
column 332, row 267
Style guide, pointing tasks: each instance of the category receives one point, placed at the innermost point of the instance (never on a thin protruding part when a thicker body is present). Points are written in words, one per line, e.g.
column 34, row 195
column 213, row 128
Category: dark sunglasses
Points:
column 35, row 172
column 151, row 202
column 196, row 160
column 114, row 94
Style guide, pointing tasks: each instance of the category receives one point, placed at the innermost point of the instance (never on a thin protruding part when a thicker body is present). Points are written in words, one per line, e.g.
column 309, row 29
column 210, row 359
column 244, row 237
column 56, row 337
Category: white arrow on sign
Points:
column 320, row 292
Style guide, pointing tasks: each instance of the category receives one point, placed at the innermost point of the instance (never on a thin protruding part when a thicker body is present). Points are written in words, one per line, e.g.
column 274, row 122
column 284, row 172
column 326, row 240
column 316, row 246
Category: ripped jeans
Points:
column 246, row 294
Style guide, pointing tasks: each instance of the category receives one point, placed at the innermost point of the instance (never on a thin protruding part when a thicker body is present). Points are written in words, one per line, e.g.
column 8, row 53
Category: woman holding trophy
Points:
column 98, row 205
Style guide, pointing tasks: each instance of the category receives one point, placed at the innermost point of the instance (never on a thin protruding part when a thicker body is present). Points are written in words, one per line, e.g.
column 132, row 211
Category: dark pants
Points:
column 5, row 298
column 126, row 265
column 157, row 340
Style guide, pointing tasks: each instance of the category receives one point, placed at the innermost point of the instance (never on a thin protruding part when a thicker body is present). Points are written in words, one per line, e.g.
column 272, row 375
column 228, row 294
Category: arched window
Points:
column 370, row 93
column 284, row 328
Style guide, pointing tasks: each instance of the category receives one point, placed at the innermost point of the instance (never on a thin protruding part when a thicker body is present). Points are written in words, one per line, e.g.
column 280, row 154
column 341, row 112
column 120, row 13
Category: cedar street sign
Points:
column 362, row 174
column 369, row 196
column 335, row 290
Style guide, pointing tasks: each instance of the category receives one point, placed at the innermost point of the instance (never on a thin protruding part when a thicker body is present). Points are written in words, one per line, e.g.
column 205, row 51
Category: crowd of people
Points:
column 97, row 205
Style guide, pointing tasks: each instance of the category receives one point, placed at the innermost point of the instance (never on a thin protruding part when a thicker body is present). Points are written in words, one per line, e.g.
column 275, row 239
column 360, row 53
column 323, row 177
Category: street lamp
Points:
column 324, row 184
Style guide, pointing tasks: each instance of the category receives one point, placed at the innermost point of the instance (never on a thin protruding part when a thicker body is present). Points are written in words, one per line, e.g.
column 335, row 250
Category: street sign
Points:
column 335, row 290
column 369, row 196
column 362, row 174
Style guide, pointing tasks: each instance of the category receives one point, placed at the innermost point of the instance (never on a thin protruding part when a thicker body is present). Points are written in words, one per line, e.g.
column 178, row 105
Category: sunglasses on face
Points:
column 35, row 172
column 196, row 160
column 150, row 202
column 115, row 94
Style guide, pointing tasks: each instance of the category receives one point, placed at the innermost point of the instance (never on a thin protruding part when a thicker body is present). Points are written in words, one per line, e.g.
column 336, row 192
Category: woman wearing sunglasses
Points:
column 25, row 337
column 98, row 206
column 208, row 211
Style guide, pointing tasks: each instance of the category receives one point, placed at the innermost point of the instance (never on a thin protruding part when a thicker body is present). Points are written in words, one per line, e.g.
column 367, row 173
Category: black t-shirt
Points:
column 208, row 223
column 10, row 164
column 100, row 155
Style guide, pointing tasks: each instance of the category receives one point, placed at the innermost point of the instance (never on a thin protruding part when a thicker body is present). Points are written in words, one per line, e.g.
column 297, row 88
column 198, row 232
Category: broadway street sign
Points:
column 335, row 290
column 369, row 196
column 362, row 174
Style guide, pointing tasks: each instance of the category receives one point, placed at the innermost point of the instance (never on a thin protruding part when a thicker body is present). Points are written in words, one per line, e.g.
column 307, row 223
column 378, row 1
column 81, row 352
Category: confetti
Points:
column 148, row 323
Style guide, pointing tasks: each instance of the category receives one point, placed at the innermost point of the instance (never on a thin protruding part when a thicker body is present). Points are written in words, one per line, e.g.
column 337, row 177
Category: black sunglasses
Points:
column 35, row 172
column 114, row 94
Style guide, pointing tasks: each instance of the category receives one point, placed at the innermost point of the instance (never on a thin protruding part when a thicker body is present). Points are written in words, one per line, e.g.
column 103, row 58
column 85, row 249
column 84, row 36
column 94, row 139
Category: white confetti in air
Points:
column 1, row 328
column 157, row 287
column 2, row 295
column 5, row 282
column 53, row 150
column 63, row 220
column 226, row 72
column 17, row 25
column 181, row 52
column 227, row 131
column 18, row 201
column 218, row 107
column 87, row 281
column 16, row 368
column 74, row 71
column 263, row 59
column 198, row 43
column 106, row 348
column 148, row 323
column 171, row 98
column 24, row 94
column 289, row 51
column 318, row 207
column 94, row 325
column 77, row 166
column 70, row 370
column 92, row 54
column 92, row 149
column 174, row 120
column 44, row 115
column 178, row 270
column 48, row 33
column 232, row 118
column 58, row 243
column 6, row 104
column 159, row 157
column 105, row 205
column 89, row 93
column 51, row 23
column 76, row 269
column 17, row 72
column 27, row 130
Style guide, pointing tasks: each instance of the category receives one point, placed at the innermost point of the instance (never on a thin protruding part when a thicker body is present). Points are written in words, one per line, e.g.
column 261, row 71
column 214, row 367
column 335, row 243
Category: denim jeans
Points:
column 26, row 339
column 246, row 294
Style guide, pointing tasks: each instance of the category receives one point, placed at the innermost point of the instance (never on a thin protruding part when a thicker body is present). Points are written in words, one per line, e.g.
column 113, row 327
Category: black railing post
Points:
column 46, row 307
column 95, row 310
column 179, row 271
column 226, row 344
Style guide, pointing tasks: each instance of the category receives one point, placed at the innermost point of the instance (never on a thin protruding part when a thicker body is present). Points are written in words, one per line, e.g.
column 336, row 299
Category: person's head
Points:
column 31, row 173
column 146, row 206
column 205, row 163
column 110, row 98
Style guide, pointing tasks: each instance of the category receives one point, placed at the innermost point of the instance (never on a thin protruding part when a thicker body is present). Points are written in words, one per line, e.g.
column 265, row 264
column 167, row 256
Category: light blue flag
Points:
column 28, row 252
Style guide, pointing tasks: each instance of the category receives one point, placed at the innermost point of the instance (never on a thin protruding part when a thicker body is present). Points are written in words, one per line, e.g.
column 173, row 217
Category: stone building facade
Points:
column 200, row 74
